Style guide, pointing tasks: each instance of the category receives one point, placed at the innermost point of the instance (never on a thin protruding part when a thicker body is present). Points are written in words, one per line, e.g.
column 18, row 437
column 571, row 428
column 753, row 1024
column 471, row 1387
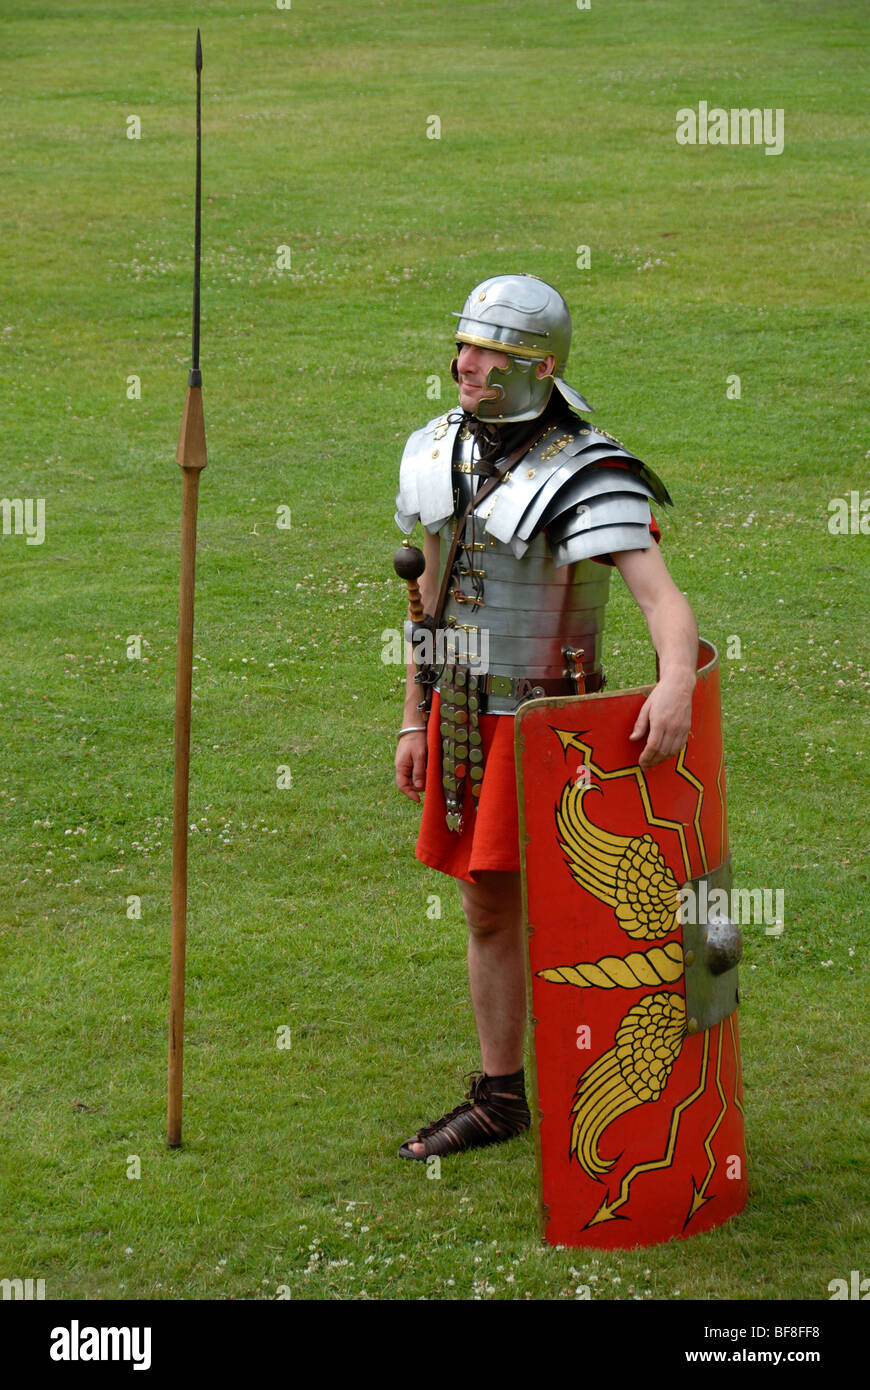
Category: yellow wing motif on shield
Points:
column 627, row 872
column 634, row 1071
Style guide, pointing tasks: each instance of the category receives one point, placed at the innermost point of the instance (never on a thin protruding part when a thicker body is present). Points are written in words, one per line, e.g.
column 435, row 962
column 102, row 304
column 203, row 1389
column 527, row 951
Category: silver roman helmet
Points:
column 526, row 318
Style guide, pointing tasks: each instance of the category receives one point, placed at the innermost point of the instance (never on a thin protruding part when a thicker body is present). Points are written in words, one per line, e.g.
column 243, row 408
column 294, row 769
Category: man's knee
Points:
column 490, row 921
column 493, row 904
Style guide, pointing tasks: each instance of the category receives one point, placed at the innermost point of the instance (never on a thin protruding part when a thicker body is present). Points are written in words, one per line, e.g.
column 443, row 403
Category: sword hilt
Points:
column 409, row 563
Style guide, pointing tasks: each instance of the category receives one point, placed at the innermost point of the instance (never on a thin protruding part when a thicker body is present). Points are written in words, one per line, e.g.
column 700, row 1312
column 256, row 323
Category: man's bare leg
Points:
column 496, row 971
column 497, row 968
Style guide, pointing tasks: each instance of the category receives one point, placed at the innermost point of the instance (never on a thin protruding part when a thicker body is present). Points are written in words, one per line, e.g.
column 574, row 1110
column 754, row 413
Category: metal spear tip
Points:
column 198, row 52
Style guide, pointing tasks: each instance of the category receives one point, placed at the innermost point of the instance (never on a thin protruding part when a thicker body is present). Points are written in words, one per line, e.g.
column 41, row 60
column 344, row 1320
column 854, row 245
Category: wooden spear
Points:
column 191, row 456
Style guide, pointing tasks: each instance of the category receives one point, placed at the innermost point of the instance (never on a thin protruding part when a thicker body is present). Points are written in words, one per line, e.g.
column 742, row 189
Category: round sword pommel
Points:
column 409, row 562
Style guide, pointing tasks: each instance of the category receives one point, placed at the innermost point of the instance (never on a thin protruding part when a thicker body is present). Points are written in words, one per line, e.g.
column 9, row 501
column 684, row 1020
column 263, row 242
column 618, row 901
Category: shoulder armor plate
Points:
column 572, row 466
column 425, row 486
column 607, row 541
column 568, row 467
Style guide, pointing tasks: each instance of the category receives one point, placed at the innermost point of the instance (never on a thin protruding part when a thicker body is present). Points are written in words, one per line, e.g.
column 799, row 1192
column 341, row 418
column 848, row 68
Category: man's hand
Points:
column 666, row 715
column 664, row 720
column 411, row 764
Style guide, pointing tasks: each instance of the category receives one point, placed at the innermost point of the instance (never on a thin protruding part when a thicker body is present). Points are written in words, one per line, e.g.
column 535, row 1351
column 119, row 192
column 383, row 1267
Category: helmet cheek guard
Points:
column 522, row 394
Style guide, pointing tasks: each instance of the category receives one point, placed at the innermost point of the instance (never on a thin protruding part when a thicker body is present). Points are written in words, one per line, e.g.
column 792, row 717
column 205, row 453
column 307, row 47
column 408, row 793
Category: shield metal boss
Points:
column 640, row 1131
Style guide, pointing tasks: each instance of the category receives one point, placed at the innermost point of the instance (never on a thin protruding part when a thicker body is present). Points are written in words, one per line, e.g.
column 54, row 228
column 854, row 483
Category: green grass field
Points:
column 307, row 909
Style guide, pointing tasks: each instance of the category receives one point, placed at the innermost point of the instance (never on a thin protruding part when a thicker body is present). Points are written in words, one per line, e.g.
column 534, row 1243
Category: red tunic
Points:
column 489, row 838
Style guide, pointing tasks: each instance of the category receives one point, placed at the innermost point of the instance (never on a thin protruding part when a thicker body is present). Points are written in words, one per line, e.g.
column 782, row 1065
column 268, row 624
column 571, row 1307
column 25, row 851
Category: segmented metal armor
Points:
column 525, row 575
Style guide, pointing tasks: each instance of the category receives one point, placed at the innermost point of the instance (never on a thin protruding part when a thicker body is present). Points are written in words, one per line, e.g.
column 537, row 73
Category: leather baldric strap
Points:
column 461, row 743
column 489, row 486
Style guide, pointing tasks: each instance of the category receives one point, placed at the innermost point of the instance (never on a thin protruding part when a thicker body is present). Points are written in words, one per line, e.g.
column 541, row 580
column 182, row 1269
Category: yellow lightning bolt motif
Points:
column 607, row 1211
column 720, row 787
column 698, row 1198
column 573, row 738
column 738, row 1065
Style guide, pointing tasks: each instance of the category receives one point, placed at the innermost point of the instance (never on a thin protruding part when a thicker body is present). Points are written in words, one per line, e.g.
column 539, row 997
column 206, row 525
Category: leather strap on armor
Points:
column 489, row 486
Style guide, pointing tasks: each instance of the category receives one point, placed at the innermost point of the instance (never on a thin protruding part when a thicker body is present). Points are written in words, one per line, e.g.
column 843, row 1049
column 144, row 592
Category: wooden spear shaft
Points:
column 191, row 455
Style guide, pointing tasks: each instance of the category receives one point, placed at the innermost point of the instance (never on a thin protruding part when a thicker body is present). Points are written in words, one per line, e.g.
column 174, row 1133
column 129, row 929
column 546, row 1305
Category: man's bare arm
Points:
column 666, row 715
column 411, row 750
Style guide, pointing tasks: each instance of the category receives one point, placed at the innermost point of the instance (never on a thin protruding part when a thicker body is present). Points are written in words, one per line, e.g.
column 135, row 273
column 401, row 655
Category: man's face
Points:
column 473, row 366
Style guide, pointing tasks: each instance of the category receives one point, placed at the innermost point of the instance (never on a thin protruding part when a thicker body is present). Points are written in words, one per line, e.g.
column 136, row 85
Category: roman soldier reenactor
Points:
column 527, row 509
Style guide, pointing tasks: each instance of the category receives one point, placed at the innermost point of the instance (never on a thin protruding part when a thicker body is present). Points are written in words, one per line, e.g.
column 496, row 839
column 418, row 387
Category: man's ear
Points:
column 547, row 367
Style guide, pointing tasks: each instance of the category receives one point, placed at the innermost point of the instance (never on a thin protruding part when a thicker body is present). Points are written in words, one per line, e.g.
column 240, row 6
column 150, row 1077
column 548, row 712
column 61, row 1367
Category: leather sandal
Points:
column 495, row 1109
